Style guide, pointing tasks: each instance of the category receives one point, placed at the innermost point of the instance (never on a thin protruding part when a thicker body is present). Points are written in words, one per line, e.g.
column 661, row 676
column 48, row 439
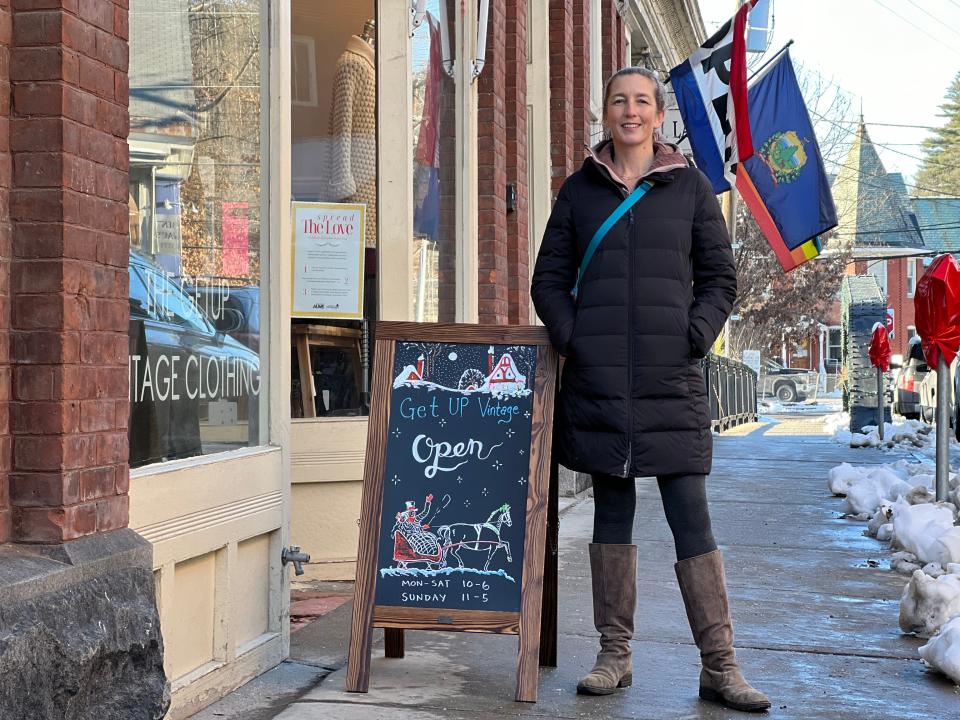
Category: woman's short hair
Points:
column 658, row 90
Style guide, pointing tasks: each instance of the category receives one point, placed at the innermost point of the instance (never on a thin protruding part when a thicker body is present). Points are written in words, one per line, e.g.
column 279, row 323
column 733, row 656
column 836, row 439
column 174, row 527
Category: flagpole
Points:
column 731, row 205
column 769, row 62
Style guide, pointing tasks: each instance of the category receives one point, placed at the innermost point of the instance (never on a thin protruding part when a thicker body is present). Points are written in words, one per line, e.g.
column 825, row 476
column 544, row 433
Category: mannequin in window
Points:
column 353, row 154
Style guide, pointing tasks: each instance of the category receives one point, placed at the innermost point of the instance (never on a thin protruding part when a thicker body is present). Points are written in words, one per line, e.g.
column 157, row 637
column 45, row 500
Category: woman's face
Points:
column 631, row 113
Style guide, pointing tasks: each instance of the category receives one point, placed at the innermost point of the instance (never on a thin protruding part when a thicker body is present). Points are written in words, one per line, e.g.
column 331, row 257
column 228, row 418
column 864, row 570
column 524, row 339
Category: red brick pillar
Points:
column 447, row 173
column 5, row 251
column 518, row 242
column 492, row 173
column 69, row 307
column 568, row 118
column 613, row 39
column 581, row 79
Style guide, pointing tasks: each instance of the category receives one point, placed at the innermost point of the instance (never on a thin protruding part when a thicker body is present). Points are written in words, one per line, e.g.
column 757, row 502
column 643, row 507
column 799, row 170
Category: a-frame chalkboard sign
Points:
column 457, row 493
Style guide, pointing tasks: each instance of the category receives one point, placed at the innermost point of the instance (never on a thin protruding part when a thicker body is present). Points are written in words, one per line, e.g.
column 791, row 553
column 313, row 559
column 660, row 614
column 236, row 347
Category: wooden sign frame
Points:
column 535, row 624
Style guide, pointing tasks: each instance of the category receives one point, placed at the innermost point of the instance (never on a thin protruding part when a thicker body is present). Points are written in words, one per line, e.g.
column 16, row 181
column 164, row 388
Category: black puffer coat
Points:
column 651, row 303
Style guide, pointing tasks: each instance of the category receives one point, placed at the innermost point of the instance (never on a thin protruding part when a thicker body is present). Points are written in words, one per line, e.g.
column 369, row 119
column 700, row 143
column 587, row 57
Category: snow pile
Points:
column 927, row 531
column 865, row 495
column 836, row 424
column 867, row 488
column 898, row 500
column 943, row 651
column 843, row 476
column 910, row 433
column 929, row 602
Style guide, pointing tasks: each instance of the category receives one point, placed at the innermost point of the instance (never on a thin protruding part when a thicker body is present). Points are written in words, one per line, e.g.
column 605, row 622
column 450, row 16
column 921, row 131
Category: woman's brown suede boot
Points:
column 704, row 590
column 613, row 570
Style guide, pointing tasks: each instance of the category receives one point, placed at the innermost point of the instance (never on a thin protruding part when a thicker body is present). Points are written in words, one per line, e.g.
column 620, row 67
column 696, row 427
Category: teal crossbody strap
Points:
column 622, row 209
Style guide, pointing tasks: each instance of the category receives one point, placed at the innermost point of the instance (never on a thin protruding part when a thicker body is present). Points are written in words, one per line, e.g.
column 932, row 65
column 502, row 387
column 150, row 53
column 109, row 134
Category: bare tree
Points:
column 774, row 306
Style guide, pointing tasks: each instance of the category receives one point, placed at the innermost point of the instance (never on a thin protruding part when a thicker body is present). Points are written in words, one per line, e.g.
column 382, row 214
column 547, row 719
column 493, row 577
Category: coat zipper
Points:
column 625, row 194
column 626, row 465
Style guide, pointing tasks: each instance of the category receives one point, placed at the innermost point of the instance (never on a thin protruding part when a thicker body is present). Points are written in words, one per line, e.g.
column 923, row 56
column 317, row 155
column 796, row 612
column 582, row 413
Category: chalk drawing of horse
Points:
column 481, row 537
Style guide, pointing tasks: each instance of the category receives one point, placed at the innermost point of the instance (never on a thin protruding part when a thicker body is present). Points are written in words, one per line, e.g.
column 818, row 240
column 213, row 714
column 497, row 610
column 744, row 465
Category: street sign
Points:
column 891, row 325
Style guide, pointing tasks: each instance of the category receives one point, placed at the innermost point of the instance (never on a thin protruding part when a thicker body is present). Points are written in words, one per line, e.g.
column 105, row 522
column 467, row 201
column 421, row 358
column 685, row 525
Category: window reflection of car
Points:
column 180, row 364
column 233, row 310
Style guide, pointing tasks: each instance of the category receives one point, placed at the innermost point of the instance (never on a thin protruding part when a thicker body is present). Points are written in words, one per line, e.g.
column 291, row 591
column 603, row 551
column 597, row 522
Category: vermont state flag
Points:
column 784, row 184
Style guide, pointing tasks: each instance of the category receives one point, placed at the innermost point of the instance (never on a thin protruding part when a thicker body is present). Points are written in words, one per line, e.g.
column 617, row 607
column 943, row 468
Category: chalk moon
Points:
column 452, row 356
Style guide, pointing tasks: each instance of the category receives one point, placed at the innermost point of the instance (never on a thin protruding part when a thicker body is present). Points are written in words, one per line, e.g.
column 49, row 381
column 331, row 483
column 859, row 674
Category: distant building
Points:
column 894, row 237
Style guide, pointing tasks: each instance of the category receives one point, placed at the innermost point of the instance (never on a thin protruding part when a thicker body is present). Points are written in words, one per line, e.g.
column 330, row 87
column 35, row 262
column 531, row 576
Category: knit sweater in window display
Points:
column 353, row 155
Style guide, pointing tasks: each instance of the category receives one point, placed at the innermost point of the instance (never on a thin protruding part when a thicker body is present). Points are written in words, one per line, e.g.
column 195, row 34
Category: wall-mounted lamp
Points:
column 511, row 198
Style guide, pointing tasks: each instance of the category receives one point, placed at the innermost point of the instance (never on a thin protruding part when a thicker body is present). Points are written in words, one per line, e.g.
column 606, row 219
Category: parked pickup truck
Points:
column 786, row 384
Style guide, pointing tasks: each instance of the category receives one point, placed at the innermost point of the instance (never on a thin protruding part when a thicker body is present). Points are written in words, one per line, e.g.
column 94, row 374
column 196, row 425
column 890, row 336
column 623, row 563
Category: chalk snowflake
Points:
column 497, row 464
column 485, row 492
column 459, row 479
column 395, row 479
column 521, row 451
column 522, row 481
column 526, row 414
column 466, row 503
column 510, row 432
column 442, row 422
column 396, row 432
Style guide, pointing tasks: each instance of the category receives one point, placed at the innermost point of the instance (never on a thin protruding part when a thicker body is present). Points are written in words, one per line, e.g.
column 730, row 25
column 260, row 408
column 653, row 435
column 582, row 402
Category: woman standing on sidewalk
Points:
column 648, row 305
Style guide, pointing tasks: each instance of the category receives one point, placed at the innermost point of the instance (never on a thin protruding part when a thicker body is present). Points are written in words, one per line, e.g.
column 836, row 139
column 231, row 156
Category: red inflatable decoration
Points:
column 937, row 305
column 880, row 348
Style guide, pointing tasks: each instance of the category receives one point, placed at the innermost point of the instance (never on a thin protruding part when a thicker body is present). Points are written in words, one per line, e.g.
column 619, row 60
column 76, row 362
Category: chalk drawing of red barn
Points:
column 410, row 374
column 505, row 378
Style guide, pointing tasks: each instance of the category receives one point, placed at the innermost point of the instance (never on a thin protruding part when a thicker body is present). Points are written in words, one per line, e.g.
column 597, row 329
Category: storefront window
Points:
column 433, row 283
column 334, row 186
column 195, row 227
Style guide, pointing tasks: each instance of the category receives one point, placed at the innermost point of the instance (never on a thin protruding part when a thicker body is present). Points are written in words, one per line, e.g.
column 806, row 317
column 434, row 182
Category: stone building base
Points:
column 79, row 631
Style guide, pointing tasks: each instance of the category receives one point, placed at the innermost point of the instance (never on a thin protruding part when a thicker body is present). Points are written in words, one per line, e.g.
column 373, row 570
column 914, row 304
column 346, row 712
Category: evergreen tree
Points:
column 940, row 171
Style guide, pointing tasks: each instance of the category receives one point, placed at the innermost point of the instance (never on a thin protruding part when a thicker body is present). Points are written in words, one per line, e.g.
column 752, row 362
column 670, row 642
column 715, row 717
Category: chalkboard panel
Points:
column 457, row 465
column 457, row 476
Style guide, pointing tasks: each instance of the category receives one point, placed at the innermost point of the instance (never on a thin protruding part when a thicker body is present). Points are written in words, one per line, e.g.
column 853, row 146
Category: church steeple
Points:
column 872, row 205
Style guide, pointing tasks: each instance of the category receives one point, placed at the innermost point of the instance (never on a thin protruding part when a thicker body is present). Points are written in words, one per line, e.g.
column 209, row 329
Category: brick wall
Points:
column 612, row 38
column 562, row 155
column 5, row 252
column 518, row 245
column 69, row 307
column 447, row 174
column 581, row 79
column 902, row 304
column 492, row 172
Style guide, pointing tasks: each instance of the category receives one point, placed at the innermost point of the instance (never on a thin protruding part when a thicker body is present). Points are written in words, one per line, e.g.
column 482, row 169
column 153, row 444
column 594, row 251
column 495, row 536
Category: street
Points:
column 814, row 603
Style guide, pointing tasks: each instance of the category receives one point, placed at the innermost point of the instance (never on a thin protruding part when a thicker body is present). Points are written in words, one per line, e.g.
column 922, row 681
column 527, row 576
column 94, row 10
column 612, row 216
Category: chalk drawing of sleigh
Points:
column 450, row 540
column 404, row 553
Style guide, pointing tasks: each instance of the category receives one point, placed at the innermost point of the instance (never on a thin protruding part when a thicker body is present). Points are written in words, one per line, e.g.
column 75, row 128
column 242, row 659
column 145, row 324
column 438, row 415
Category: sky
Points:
column 896, row 68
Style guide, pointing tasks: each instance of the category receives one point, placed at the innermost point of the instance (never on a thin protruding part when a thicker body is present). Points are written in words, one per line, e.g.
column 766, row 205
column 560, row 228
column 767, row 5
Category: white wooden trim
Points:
column 394, row 162
column 277, row 29
column 467, row 291
column 539, row 191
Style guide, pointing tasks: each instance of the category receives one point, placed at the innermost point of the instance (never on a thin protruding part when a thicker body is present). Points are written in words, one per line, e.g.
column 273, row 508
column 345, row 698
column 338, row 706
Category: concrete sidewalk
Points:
column 815, row 621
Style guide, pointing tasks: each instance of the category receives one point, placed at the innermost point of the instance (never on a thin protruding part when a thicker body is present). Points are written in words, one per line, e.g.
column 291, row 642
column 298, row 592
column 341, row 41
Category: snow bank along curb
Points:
column 909, row 433
column 897, row 501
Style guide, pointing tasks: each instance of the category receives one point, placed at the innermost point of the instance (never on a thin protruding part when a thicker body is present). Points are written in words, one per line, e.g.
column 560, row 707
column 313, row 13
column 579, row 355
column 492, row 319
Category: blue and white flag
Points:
column 711, row 90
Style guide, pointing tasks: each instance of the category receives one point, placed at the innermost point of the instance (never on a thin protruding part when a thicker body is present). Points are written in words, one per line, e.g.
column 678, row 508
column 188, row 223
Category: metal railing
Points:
column 732, row 392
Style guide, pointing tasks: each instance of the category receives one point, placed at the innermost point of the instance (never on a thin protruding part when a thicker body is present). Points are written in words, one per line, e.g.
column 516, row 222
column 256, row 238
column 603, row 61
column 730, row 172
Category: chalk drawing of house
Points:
column 410, row 374
column 504, row 378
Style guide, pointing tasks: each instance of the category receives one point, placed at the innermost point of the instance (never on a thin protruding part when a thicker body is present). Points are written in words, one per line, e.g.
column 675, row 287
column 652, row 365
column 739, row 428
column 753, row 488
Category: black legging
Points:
column 684, row 503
